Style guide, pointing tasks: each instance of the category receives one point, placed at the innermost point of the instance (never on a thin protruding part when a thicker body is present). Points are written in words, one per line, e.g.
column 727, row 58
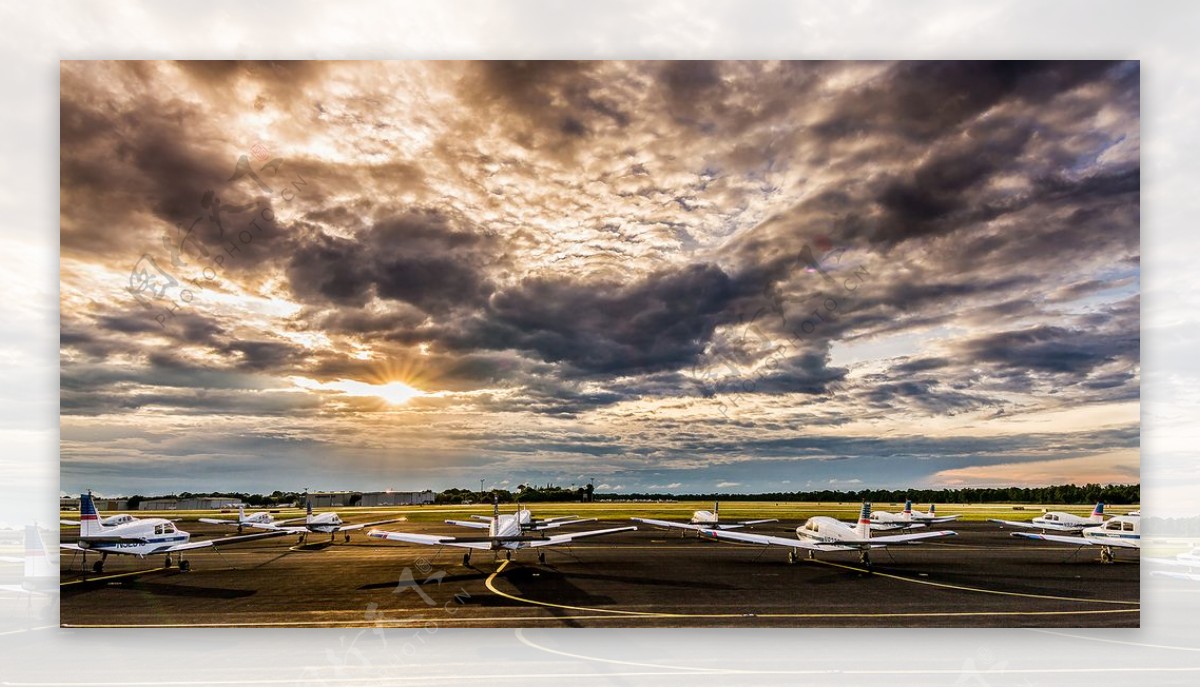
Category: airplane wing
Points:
column 568, row 537
column 470, row 524
column 761, row 520
column 360, row 526
column 1084, row 540
column 785, row 542
column 423, row 539
column 483, row 518
column 65, row 522
column 940, row 519
column 221, row 541
column 1029, row 525
column 559, row 523
column 1179, row 575
column 911, row 537
column 72, row 546
column 667, row 524
column 692, row 526
column 217, row 521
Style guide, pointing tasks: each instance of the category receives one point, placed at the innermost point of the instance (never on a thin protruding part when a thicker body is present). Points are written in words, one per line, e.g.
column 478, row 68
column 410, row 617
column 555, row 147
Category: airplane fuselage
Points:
column 141, row 537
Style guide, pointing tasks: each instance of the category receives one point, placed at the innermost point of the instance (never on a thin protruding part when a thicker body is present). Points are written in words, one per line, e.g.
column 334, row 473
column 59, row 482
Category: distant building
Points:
column 189, row 504
column 393, row 498
column 325, row 500
column 118, row 504
column 68, row 504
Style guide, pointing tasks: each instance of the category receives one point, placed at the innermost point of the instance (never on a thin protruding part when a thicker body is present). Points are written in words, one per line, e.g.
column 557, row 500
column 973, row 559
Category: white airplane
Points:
column 41, row 575
column 827, row 534
column 928, row 516
column 1188, row 560
column 327, row 522
column 138, row 537
column 504, row 533
column 527, row 520
column 704, row 520
column 886, row 520
column 256, row 518
column 107, row 521
column 1119, row 531
column 1060, row 521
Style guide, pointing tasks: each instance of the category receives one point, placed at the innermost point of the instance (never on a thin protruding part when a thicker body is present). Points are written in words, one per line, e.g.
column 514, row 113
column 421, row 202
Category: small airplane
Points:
column 1188, row 560
column 138, row 537
column 327, row 522
column 107, row 521
column 256, row 518
column 928, row 516
column 527, row 520
column 827, row 534
column 886, row 520
column 704, row 520
column 505, row 532
column 41, row 576
column 1119, row 531
column 1060, row 521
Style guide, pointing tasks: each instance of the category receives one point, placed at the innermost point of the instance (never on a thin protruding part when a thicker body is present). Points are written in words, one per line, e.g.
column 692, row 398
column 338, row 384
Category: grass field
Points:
column 615, row 511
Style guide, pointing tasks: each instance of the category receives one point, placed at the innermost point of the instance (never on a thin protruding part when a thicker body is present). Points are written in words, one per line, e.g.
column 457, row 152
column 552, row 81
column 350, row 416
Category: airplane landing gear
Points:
column 508, row 555
column 347, row 537
column 467, row 559
column 541, row 557
column 98, row 567
column 1107, row 556
column 185, row 565
column 167, row 562
column 864, row 558
column 792, row 558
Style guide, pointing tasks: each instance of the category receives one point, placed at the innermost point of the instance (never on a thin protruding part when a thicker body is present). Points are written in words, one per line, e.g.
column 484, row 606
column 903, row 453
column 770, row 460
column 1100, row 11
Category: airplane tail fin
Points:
column 864, row 521
column 717, row 511
column 241, row 512
column 89, row 518
column 308, row 508
column 495, row 506
column 933, row 509
column 36, row 563
column 908, row 507
column 1098, row 512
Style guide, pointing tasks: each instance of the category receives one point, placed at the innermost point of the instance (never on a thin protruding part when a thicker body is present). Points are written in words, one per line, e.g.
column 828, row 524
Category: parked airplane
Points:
column 928, row 516
column 1118, row 531
column 328, row 522
column 886, row 520
column 1187, row 560
column 704, row 520
column 139, row 537
column 527, row 520
column 827, row 534
column 256, row 518
column 41, row 575
column 504, row 533
column 1060, row 521
column 107, row 521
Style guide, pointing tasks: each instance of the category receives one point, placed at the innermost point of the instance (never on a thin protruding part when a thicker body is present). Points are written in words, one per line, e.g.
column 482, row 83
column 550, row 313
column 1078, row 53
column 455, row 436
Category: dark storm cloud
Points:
column 420, row 258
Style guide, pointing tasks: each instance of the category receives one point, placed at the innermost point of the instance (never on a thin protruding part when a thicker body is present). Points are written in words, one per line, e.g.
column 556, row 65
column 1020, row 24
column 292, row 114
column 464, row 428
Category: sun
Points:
column 395, row 393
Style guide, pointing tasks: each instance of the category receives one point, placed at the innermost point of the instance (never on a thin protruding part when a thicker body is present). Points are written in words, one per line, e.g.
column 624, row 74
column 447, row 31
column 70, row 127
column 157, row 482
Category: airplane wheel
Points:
column 167, row 563
column 98, row 567
column 541, row 557
column 791, row 557
column 185, row 565
column 466, row 560
column 347, row 537
column 508, row 555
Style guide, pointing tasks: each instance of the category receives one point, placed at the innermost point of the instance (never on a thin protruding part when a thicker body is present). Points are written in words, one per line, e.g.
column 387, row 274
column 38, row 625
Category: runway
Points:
column 648, row 578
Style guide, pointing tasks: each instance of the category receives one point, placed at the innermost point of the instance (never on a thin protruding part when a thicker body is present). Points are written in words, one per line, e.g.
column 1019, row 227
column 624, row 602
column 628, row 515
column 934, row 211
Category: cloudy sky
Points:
column 664, row 276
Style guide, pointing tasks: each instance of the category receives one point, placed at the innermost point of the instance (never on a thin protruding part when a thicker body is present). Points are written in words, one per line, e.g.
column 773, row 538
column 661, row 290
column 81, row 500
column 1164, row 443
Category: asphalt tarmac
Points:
column 648, row 578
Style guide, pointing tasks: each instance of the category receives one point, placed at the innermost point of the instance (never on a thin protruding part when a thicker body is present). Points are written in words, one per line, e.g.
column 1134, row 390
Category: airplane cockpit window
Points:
column 158, row 530
column 1127, row 526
